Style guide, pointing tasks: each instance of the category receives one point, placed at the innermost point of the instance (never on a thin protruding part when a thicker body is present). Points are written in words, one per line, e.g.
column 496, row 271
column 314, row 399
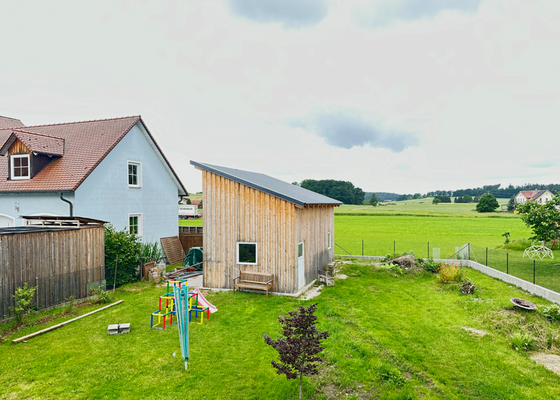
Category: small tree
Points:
column 23, row 297
column 301, row 343
column 373, row 200
column 511, row 204
column 487, row 203
column 436, row 201
column 543, row 219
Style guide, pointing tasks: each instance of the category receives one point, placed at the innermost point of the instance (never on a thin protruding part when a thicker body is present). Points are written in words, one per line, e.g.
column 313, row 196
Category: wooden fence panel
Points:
column 59, row 263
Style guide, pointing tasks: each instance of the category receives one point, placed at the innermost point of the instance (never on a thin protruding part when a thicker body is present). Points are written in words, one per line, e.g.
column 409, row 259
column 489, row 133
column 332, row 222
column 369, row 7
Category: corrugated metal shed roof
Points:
column 275, row 187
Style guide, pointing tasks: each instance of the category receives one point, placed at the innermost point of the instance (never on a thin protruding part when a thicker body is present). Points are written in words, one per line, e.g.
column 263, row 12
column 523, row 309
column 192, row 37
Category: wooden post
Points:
column 50, row 328
column 115, row 280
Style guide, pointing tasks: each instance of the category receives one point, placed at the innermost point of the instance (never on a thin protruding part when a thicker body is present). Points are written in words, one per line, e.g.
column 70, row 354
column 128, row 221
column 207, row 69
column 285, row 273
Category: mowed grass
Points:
column 423, row 207
column 391, row 337
column 423, row 227
column 382, row 233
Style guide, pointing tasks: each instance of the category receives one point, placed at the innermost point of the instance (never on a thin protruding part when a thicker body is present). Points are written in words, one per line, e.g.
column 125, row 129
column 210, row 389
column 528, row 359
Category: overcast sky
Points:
column 393, row 95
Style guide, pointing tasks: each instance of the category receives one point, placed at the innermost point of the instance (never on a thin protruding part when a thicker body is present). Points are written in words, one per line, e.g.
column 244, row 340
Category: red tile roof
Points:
column 86, row 144
column 7, row 122
column 42, row 144
column 530, row 195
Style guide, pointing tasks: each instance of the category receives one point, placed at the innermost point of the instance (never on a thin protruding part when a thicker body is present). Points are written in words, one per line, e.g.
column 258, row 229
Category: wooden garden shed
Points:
column 258, row 223
column 61, row 256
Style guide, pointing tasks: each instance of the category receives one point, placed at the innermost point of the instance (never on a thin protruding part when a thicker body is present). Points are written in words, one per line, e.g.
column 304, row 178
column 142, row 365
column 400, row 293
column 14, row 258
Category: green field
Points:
column 391, row 337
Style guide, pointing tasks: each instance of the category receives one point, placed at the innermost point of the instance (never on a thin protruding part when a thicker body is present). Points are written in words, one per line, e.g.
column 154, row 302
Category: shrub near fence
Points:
column 545, row 272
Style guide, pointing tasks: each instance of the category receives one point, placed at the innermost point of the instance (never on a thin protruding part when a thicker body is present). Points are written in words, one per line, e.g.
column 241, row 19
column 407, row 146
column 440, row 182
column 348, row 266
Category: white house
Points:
column 111, row 170
column 539, row 196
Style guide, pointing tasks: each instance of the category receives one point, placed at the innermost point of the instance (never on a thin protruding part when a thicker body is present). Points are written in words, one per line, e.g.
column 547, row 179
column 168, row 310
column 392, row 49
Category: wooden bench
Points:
column 254, row 280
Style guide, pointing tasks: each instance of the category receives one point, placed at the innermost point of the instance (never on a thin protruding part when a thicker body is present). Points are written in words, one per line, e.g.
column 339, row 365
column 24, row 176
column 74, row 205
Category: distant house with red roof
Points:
column 111, row 170
column 539, row 196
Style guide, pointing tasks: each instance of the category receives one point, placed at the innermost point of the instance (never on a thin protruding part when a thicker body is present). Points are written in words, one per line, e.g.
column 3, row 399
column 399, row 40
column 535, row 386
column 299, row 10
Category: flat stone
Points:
column 477, row 332
column 314, row 291
column 340, row 276
column 550, row 361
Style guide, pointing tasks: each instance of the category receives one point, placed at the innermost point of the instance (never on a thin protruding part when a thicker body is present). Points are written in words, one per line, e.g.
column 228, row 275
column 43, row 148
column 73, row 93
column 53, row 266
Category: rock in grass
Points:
column 468, row 288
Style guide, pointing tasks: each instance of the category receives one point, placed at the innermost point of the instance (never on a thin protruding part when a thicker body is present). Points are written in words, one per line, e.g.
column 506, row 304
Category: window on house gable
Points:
column 134, row 174
column 246, row 253
column 20, row 166
column 135, row 224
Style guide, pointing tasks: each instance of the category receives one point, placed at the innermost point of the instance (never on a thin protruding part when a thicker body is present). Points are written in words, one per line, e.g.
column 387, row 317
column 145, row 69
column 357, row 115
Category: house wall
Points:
column 105, row 194
column 15, row 205
column 237, row 213
column 312, row 227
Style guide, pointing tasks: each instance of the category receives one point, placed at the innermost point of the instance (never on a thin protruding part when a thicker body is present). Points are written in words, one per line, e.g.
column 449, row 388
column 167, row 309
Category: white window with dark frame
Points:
column 247, row 253
column 134, row 174
column 20, row 166
column 329, row 240
column 135, row 224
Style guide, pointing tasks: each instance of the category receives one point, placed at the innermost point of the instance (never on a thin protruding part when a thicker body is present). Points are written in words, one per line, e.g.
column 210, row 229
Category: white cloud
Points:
column 477, row 88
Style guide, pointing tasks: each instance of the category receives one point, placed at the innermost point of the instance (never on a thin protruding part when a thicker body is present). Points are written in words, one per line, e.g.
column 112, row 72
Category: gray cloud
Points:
column 386, row 11
column 290, row 13
column 350, row 129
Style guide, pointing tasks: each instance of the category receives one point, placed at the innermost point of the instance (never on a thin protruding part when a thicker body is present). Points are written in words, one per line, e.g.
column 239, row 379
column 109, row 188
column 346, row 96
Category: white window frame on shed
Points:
column 140, row 224
column 329, row 242
column 13, row 167
column 138, row 174
column 256, row 253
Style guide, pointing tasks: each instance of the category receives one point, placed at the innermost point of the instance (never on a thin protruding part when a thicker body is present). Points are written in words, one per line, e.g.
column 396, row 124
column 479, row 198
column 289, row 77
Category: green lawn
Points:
column 392, row 337
column 422, row 207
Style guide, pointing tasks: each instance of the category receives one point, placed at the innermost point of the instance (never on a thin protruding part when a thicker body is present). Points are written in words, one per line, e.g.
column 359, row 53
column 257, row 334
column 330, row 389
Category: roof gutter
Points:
column 70, row 203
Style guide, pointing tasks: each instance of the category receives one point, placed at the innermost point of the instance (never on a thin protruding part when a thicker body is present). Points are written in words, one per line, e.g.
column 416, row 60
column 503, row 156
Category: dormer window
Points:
column 20, row 166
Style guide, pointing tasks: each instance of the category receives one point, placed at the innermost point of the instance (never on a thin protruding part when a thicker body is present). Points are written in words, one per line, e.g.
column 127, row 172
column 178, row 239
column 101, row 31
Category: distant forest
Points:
column 340, row 190
column 495, row 190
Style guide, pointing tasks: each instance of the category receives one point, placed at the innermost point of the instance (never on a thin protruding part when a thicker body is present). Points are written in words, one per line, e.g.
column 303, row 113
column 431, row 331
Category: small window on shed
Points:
column 246, row 253
column 328, row 240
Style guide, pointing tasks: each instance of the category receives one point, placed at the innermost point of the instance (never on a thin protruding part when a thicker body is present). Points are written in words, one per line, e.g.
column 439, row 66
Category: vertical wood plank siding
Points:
column 236, row 213
column 63, row 261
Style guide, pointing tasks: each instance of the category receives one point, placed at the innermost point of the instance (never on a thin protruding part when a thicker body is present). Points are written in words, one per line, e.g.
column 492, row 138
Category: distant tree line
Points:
column 386, row 196
column 495, row 190
column 340, row 190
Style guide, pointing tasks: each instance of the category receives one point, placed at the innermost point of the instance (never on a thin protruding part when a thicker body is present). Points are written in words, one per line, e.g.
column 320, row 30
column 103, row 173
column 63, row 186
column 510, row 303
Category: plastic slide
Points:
column 203, row 302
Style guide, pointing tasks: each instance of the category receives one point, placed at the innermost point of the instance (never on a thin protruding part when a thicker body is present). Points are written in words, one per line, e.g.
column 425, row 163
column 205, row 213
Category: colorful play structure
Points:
column 176, row 308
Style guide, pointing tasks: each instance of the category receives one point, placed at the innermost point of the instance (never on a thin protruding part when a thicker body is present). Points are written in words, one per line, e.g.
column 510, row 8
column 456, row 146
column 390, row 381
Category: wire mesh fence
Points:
column 544, row 272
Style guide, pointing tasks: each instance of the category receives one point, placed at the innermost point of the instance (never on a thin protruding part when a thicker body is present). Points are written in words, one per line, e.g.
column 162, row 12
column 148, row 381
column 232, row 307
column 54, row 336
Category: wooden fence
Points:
column 60, row 262
column 190, row 236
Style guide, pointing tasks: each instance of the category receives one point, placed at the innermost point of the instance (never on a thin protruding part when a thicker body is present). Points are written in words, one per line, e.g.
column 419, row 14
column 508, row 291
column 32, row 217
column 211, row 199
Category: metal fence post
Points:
column 362, row 247
column 534, row 261
column 468, row 251
column 507, row 263
column 394, row 246
column 487, row 256
column 428, row 249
